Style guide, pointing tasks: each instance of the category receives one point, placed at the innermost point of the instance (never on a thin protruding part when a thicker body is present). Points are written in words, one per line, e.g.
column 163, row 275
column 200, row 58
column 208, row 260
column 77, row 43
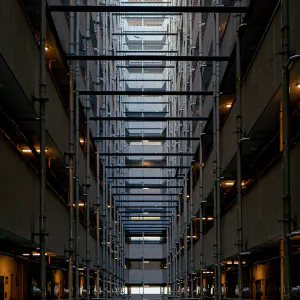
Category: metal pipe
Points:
column 239, row 135
column 42, row 100
column 149, row 119
column 286, row 197
column 71, row 155
column 145, row 9
column 150, row 92
column 87, row 181
column 77, row 72
column 98, row 29
column 148, row 57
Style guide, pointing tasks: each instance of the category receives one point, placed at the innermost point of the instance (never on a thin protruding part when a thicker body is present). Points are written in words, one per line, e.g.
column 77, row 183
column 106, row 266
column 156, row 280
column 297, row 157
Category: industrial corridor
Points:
column 149, row 149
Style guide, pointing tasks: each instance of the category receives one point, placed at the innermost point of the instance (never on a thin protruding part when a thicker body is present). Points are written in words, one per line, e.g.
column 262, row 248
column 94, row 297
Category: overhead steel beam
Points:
column 145, row 67
column 147, row 167
column 148, row 57
column 141, row 177
column 149, row 201
column 136, row 102
column 150, row 186
column 145, row 154
column 152, row 207
column 144, row 80
column 145, row 33
column 149, row 138
column 148, row 119
column 148, row 194
column 146, row 93
column 145, row 9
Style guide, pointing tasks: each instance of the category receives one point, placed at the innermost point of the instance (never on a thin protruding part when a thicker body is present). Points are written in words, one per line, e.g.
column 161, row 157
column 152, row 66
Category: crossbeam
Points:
column 145, row 154
column 148, row 194
column 148, row 57
column 146, row 33
column 144, row 80
column 140, row 138
column 148, row 119
column 150, row 186
column 141, row 177
column 147, row 93
column 147, row 167
column 149, row 8
column 145, row 67
column 145, row 201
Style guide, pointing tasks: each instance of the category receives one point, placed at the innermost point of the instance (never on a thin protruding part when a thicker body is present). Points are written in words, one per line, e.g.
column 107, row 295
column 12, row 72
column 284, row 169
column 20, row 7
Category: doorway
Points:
column 1, row 287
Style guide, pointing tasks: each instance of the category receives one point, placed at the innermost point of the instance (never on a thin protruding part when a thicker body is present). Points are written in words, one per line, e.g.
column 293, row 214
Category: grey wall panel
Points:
column 19, row 212
column 23, row 60
column 148, row 276
column 150, row 251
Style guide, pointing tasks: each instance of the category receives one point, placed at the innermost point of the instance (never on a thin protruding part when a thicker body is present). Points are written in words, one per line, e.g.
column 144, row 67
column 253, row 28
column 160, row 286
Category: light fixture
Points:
column 146, row 261
column 145, row 141
column 228, row 105
column 229, row 183
column 26, row 254
column 188, row 196
column 298, row 85
column 46, row 48
column 26, row 150
column 145, row 188
column 81, row 141
column 145, row 213
column 29, row 151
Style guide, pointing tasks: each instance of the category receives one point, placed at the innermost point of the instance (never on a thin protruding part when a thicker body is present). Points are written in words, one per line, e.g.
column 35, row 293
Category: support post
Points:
column 42, row 100
column 239, row 135
column 77, row 71
column 71, row 156
column 87, row 180
column 286, row 197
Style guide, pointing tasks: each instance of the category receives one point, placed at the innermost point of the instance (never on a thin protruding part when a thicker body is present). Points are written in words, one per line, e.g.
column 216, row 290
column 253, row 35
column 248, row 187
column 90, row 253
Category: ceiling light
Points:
column 298, row 85
column 145, row 213
column 146, row 261
column 46, row 48
column 229, row 183
column 26, row 254
column 188, row 196
column 81, row 141
column 145, row 188
column 228, row 105
column 26, row 150
column 145, row 141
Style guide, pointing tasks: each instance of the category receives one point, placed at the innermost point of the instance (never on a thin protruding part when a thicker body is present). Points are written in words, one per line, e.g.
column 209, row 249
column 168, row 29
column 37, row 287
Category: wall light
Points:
column 298, row 85
column 81, row 141
column 47, row 48
column 228, row 105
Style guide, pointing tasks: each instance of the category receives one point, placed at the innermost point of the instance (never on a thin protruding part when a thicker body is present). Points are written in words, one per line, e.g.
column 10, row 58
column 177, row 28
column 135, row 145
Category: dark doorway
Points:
column 1, row 287
column 258, row 289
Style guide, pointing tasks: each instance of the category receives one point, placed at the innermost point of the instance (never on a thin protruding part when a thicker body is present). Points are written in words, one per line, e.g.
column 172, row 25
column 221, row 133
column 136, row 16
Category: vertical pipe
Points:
column 217, row 157
column 98, row 163
column 42, row 100
column 239, row 133
column 286, row 198
column 71, row 153
column 87, row 181
column 185, row 239
column 201, row 196
column 191, row 232
column 77, row 66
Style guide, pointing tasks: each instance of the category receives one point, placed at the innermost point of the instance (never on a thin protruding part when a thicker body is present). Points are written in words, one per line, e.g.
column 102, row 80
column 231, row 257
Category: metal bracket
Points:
column 40, row 99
